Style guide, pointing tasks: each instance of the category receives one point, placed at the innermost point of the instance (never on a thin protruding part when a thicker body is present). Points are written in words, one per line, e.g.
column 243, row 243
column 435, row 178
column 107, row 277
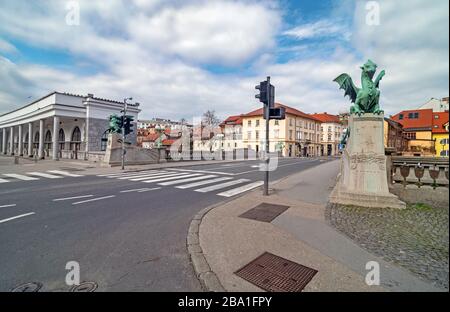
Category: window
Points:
column 257, row 135
column 410, row 135
column 299, row 135
column 257, row 123
column 276, row 123
column 249, row 123
column 61, row 139
column 416, row 115
column 444, row 153
column 400, row 116
column 436, row 116
column 249, row 135
column 444, row 142
column 290, row 121
column 290, row 134
column 104, row 142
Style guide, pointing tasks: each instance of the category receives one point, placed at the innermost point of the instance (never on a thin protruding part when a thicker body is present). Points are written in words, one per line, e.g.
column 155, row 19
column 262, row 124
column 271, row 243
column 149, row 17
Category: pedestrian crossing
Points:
column 35, row 175
column 200, row 181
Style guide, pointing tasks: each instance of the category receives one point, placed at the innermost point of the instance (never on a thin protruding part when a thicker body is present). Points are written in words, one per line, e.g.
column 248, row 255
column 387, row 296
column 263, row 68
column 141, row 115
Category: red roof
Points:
column 289, row 110
column 406, row 118
column 439, row 121
column 233, row 120
column 325, row 117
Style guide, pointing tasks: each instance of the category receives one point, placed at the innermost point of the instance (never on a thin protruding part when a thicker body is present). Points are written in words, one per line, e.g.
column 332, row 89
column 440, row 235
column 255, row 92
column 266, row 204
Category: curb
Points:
column 208, row 279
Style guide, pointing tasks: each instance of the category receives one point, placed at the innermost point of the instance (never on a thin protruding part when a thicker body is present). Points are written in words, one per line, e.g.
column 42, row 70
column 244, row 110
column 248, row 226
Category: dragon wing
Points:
column 346, row 83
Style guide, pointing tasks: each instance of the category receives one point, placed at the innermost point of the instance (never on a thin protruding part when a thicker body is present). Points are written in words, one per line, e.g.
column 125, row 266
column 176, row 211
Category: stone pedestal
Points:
column 133, row 155
column 363, row 179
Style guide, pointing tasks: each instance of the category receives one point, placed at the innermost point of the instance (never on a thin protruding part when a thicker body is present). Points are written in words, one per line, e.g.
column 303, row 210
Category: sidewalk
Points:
column 220, row 242
column 92, row 168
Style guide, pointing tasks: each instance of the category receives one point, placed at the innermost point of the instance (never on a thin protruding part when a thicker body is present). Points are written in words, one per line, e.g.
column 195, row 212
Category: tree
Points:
column 210, row 119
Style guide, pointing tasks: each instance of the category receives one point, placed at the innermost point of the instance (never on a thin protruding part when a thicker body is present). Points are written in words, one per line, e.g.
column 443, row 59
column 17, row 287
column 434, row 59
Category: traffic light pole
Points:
column 123, row 133
column 266, row 173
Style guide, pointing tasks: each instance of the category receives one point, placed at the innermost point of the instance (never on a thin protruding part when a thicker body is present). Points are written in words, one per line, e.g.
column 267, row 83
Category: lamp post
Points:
column 124, row 111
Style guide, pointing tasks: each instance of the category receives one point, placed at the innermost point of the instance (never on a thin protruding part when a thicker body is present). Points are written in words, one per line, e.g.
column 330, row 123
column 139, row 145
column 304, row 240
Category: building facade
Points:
column 440, row 134
column 232, row 133
column 297, row 135
column 394, row 138
column 436, row 105
column 331, row 132
column 61, row 125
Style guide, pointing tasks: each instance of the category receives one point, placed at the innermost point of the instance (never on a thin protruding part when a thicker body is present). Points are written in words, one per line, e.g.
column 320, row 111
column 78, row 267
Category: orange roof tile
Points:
column 423, row 122
column 439, row 121
column 325, row 117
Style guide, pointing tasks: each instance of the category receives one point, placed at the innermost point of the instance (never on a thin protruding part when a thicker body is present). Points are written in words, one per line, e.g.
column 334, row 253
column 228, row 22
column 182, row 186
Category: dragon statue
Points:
column 365, row 99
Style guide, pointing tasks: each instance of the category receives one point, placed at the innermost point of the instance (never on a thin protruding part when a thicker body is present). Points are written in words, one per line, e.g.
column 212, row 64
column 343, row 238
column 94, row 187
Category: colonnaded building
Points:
column 61, row 125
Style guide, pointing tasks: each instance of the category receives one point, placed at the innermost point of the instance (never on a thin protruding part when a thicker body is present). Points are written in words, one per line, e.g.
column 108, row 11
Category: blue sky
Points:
column 181, row 58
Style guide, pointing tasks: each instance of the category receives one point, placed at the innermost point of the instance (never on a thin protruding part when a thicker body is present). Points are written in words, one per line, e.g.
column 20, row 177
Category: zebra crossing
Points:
column 35, row 175
column 200, row 181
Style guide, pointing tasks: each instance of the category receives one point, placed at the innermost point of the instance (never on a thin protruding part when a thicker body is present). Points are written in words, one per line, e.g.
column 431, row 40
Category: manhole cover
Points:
column 276, row 274
column 28, row 287
column 264, row 212
column 84, row 287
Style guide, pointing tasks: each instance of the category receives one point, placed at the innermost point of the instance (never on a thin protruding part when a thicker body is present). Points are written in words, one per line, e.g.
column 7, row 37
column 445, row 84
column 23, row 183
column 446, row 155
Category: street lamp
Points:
column 124, row 111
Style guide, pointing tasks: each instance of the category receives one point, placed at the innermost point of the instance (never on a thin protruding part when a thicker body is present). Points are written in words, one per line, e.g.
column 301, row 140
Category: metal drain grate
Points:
column 264, row 212
column 28, row 287
column 84, row 287
column 276, row 274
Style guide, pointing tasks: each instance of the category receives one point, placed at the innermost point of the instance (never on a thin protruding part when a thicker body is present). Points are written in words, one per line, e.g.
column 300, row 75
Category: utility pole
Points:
column 124, row 111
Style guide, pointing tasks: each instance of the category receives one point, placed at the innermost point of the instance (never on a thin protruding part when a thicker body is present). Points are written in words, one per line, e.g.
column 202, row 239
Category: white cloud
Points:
column 7, row 47
column 211, row 32
column 321, row 28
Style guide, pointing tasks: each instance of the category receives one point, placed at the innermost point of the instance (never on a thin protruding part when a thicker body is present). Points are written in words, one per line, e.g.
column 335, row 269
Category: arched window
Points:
column 75, row 143
column 76, row 135
column 61, row 139
column 36, row 137
column 48, row 140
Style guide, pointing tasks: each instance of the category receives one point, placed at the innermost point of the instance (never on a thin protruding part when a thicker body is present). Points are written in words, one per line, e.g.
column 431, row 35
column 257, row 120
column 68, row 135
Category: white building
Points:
column 332, row 130
column 438, row 106
column 61, row 125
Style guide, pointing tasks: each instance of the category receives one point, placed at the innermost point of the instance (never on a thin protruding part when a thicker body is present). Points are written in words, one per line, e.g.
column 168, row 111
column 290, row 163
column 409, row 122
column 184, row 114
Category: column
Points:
column 20, row 142
column 41, row 139
column 4, row 141
column 11, row 141
column 30, row 139
column 55, row 153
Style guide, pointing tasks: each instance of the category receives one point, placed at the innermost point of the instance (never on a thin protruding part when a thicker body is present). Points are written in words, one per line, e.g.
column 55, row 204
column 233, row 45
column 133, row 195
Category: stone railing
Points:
column 419, row 171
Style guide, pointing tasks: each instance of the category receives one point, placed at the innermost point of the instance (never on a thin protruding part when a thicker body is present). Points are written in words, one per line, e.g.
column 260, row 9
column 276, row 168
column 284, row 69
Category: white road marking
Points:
column 149, row 189
column 171, row 178
column 220, row 186
column 187, row 180
column 191, row 185
column 65, row 173
column 202, row 171
column 93, row 199
column 137, row 177
column 121, row 173
column 19, row 176
column 134, row 174
column 17, row 217
column 133, row 190
column 159, row 176
column 44, row 175
column 241, row 189
column 5, row 206
column 4, row 181
column 74, row 197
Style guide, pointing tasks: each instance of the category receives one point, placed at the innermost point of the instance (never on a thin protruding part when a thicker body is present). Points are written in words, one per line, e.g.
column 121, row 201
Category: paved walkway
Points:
column 220, row 242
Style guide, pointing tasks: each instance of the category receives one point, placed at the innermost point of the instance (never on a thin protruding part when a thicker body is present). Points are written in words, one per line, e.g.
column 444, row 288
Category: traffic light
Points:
column 262, row 96
column 128, row 124
column 115, row 124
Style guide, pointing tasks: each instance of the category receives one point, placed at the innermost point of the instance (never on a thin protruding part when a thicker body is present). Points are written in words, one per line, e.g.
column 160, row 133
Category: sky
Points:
column 180, row 58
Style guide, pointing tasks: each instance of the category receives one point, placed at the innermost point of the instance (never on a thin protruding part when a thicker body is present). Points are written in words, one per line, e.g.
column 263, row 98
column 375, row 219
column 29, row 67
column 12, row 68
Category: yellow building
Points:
column 297, row 135
column 440, row 134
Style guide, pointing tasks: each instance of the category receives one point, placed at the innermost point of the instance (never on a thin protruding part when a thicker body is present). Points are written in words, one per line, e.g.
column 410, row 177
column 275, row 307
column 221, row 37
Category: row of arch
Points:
column 76, row 136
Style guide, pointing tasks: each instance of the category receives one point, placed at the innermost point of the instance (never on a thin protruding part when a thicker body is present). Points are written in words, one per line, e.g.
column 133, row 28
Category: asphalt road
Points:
column 126, row 235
